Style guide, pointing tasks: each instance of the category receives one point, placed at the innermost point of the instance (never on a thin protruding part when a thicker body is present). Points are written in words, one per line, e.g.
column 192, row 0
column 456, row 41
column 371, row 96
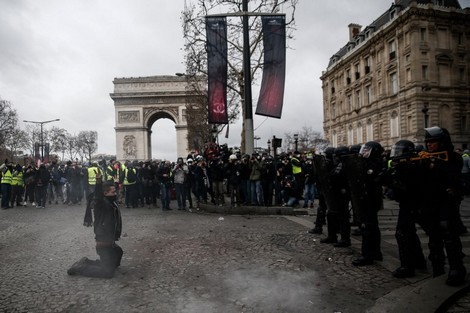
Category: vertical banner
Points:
column 274, row 70
column 216, row 31
column 46, row 153
column 37, row 156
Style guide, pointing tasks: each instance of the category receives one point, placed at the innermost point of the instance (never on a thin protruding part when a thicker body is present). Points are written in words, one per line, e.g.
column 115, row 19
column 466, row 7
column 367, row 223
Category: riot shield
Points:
column 324, row 178
column 354, row 165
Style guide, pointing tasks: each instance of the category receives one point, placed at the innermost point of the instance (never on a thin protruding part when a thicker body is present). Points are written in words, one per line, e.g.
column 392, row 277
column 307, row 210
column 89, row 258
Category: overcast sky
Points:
column 58, row 59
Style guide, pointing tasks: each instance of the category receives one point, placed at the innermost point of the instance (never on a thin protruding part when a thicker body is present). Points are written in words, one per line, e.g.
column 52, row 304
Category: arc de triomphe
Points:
column 139, row 102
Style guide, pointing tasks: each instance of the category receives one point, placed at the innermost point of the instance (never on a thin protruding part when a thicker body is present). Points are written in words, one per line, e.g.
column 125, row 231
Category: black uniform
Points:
column 107, row 227
column 368, row 216
column 405, row 180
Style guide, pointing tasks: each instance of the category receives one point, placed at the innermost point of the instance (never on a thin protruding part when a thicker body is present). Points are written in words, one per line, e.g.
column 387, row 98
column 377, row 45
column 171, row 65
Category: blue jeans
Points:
column 309, row 194
column 180, row 195
column 165, row 195
column 256, row 192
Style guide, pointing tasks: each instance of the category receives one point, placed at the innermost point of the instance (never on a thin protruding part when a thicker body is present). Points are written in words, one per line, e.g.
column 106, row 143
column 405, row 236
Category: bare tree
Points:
column 87, row 143
column 8, row 121
column 307, row 139
column 195, row 42
column 58, row 138
column 16, row 143
column 72, row 147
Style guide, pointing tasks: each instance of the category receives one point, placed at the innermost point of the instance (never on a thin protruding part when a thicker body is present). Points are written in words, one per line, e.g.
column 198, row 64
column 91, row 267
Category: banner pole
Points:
column 248, row 118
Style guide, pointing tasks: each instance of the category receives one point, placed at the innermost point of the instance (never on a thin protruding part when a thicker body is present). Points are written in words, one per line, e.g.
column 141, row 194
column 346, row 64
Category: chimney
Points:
column 354, row 30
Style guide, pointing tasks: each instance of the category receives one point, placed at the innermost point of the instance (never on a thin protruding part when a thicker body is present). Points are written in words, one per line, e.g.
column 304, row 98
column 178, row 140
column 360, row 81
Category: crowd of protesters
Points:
column 428, row 187
column 217, row 174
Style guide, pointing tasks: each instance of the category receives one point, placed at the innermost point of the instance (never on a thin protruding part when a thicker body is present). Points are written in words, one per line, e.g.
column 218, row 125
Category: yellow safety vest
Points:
column 92, row 171
column 126, row 182
column 296, row 169
column 7, row 177
column 17, row 179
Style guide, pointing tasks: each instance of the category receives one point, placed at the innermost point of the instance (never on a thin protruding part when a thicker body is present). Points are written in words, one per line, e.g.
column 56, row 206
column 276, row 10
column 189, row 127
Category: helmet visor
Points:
column 365, row 151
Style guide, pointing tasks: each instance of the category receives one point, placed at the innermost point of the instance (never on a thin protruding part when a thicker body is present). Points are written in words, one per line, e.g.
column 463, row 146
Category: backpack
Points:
column 131, row 175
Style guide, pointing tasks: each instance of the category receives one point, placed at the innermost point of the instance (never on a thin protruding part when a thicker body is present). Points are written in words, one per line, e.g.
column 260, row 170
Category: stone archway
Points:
column 140, row 102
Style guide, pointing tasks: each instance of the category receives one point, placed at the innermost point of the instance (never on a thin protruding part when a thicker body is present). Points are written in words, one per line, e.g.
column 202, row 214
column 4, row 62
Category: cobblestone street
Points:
column 179, row 261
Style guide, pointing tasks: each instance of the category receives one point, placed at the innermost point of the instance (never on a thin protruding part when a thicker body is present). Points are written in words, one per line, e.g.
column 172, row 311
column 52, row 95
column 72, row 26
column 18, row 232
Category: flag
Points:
column 216, row 31
column 274, row 70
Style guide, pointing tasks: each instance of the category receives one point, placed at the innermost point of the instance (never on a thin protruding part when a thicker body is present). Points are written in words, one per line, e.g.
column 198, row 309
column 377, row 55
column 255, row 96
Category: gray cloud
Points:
column 58, row 60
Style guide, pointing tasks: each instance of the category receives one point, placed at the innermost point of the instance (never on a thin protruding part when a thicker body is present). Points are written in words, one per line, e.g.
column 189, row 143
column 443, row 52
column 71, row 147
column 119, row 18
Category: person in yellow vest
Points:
column 7, row 178
column 92, row 170
column 296, row 162
column 130, row 191
column 17, row 186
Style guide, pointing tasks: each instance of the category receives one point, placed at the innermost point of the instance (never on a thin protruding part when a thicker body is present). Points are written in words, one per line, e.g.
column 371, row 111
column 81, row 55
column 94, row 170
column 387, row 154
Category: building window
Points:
column 350, row 135
column 424, row 72
column 394, row 124
column 393, row 84
column 379, row 56
column 367, row 65
column 442, row 38
column 368, row 95
column 444, row 75
column 334, row 139
column 462, row 74
column 358, row 71
column 369, row 130
column 422, row 34
column 348, row 77
column 379, row 88
column 392, row 49
column 463, row 123
column 358, row 99
column 409, row 124
column 359, row 133
column 460, row 38
column 333, row 110
column 408, row 75
column 350, row 103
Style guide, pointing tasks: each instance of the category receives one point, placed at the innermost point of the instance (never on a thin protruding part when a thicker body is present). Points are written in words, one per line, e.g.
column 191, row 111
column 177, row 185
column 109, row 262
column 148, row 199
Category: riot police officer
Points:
column 405, row 180
column 442, row 180
column 372, row 169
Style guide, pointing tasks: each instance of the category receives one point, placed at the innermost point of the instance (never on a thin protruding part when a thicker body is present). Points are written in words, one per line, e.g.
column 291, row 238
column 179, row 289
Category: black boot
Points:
column 404, row 272
column 456, row 276
column 362, row 261
column 316, row 230
column 343, row 243
column 329, row 240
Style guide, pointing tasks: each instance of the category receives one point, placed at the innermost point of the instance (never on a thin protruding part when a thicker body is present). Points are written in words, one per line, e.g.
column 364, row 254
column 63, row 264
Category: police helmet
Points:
column 341, row 150
column 354, row 149
column 402, row 148
column 439, row 134
column 329, row 152
column 371, row 149
column 233, row 157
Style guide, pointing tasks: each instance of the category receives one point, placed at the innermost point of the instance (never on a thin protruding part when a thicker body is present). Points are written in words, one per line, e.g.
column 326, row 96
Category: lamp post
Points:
column 425, row 110
column 296, row 141
column 42, row 134
column 269, row 147
column 256, row 138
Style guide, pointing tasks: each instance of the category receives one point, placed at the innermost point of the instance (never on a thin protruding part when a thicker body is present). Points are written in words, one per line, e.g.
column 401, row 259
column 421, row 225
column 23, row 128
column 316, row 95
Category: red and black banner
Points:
column 216, row 31
column 274, row 71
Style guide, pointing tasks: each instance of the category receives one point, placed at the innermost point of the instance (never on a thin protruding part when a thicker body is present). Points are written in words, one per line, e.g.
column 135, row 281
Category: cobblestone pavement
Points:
column 181, row 261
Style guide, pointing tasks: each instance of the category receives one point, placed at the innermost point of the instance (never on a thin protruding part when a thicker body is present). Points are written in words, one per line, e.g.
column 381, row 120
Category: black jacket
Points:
column 108, row 222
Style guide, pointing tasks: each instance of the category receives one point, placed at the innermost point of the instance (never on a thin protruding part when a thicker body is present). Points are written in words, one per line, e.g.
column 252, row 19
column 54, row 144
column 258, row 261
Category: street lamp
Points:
column 42, row 134
column 425, row 110
column 296, row 141
column 256, row 138
column 269, row 147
